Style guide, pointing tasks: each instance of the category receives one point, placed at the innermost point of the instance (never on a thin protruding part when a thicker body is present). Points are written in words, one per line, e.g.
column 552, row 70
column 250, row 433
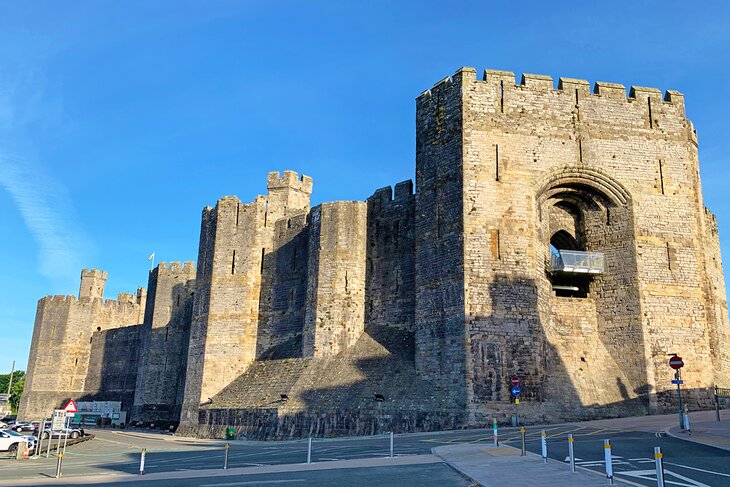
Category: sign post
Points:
column 677, row 363
column 516, row 391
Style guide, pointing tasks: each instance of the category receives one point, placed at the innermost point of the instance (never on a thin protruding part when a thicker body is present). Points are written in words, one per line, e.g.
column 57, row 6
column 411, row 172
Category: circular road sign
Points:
column 515, row 381
column 676, row 362
column 516, row 391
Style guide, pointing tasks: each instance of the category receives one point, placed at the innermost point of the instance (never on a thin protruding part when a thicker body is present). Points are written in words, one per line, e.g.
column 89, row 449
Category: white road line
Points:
column 698, row 469
column 252, row 482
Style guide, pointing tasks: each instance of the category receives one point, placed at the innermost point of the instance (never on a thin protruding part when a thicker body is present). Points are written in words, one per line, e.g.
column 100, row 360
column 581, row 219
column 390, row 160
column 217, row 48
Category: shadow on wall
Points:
column 112, row 373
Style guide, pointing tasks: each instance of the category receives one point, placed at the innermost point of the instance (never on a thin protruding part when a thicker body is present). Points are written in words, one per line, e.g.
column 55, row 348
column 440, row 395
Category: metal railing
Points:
column 578, row 262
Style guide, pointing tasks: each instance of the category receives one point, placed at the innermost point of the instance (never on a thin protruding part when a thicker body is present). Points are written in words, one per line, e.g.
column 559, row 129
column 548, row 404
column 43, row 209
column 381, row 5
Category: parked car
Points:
column 31, row 426
column 10, row 440
column 72, row 433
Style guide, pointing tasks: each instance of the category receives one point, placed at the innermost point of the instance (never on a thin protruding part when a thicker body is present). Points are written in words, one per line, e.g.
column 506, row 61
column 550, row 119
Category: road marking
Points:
column 698, row 469
column 233, row 484
column 651, row 475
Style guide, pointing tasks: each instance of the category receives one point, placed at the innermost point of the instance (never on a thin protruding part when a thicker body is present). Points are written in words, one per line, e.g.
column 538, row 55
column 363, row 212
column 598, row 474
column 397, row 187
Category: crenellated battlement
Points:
column 95, row 273
column 176, row 266
column 505, row 83
column 290, row 180
column 386, row 197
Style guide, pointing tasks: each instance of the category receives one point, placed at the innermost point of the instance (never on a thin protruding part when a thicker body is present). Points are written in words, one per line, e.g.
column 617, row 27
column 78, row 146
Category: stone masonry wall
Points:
column 164, row 339
column 390, row 272
column 64, row 345
column 335, row 311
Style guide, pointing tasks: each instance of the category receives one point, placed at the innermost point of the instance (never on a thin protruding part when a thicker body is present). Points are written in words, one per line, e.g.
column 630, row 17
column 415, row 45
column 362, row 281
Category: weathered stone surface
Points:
column 435, row 299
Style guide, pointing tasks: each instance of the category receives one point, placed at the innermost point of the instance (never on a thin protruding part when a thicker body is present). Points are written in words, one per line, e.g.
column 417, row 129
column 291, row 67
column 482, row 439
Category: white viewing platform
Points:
column 578, row 262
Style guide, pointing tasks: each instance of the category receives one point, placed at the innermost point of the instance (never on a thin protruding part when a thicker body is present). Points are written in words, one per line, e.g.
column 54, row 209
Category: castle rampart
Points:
column 557, row 234
column 65, row 342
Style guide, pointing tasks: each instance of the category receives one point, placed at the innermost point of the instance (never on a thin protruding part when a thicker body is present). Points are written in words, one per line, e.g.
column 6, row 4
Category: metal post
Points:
column 571, row 454
column 678, row 376
column 495, row 435
column 65, row 438
column 50, row 440
column 58, row 465
column 39, row 447
column 309, row 451
column 659, row 466
column 141, row 461
column 543, row 441
column 391, row 444
column 522, row 433
column 609, row 463
column 686, row 421
column 225, row 458
column 717, row 404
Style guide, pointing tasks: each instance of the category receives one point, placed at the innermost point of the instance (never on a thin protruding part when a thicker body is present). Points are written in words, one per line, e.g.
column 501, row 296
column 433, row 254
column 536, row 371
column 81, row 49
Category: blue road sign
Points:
column 677, row 381
column 516, row 391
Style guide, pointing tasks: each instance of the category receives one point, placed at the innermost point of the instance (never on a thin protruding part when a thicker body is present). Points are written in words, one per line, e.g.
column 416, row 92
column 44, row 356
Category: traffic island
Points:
column 504, row 466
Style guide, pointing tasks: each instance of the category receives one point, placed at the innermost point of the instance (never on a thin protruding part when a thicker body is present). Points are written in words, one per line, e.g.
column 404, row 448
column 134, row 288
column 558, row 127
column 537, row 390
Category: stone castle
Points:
column 557, row 235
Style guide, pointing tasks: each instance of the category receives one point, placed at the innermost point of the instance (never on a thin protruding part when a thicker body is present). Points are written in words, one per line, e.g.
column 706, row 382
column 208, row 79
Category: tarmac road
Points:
column 686, row 463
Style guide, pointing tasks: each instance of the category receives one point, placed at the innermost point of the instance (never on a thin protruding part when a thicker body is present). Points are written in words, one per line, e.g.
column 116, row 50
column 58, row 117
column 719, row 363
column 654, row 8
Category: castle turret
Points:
column 92, row 283
column 288, row 195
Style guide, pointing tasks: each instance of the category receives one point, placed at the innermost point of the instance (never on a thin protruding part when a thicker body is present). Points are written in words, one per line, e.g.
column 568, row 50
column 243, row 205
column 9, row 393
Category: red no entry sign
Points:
column 515, row 381
column 676, row 362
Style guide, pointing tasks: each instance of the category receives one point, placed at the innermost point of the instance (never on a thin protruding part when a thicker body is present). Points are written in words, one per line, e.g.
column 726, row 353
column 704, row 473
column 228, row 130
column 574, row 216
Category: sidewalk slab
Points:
column 706, row 429
column 504, row 466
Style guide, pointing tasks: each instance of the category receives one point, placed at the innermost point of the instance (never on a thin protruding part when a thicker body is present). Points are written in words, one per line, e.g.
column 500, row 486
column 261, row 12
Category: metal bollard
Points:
column 309, row 451
column 686, row 421
column 571, row 454
column 141, row 461
column 225, row 457
column 659, row 466
column 58, row 465
column 391, row 444
column 522, row 433
column 609, row 463
column 495, row 436
column 543, row 442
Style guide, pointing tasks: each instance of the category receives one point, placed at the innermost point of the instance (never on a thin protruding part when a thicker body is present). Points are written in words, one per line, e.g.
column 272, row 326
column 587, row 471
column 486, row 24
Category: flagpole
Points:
column 151, row 258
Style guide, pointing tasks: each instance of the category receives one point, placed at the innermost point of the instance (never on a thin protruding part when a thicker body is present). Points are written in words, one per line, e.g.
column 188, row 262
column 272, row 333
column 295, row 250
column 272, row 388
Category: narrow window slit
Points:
column 651, row 118
column 661, row 175
column 263, row 252
column 499, row 246
column 580, row 150
column 501, row 96
column 496, row 162
column 346, row 282
column 669, row 257
column 233, row 264
column 238, row 210
column 438, row 221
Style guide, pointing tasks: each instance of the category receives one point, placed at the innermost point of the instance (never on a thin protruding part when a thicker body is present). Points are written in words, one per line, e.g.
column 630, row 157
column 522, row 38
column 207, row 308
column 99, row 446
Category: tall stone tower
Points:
column 92, row 283
column 561, row 237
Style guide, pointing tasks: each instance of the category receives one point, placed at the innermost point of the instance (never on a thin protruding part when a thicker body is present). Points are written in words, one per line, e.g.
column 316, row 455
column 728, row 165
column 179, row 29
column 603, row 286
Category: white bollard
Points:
column 571, row 454
column 609, row 463
column 659, row 466
column 141, row 462
column 309, row 451
column 543, row 441
column 495, row 435
column 391, row 444
column 686, row 421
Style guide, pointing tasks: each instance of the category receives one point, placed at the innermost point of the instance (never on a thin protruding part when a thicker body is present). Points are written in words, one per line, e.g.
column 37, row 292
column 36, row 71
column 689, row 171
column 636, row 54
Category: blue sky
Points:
column 120, row 121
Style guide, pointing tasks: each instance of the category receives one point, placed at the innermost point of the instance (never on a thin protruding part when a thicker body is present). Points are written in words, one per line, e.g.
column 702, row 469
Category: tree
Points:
column 15, row 390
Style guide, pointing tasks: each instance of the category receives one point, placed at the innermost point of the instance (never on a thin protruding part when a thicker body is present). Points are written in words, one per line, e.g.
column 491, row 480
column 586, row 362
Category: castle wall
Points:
column 164, row 338
column 630, row 165
column 64, row 346
column 284, row 291
column 113, row 366
column 717, row 298
column 335, row 312
column 440, row 321
column 236, row 240
column 390, row 271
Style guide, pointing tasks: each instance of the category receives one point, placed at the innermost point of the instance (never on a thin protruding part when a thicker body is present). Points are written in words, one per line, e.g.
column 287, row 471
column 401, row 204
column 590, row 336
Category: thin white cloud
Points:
column 42, row 201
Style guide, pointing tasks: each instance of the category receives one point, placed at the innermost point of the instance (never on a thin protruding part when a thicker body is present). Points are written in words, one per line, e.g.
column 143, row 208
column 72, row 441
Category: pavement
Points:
column 459, row 458
column 505, row 467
